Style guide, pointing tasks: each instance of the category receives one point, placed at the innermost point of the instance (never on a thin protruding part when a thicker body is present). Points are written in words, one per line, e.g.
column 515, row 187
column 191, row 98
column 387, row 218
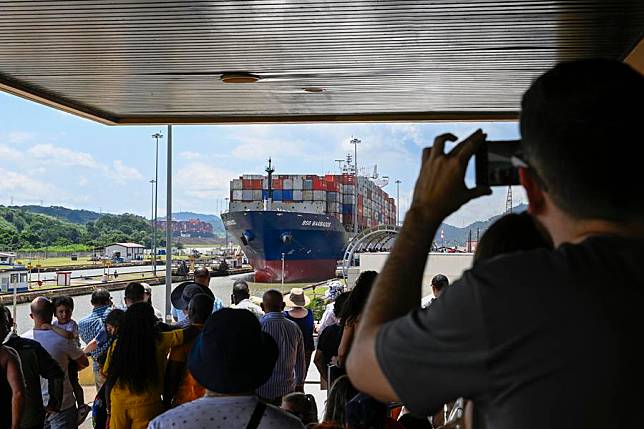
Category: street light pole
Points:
column 355, row 143
column 397, row 202
column 152, row 182
column 156, row 136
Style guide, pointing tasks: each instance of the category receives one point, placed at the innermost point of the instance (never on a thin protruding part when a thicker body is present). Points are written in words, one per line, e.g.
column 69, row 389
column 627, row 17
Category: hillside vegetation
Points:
column 21, row 229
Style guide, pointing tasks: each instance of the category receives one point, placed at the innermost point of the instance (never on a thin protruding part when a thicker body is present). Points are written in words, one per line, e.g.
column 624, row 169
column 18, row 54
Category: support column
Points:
column 168, row 229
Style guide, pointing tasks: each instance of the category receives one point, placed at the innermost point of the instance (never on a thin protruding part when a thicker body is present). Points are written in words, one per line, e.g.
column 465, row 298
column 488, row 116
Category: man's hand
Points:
column 440, row 187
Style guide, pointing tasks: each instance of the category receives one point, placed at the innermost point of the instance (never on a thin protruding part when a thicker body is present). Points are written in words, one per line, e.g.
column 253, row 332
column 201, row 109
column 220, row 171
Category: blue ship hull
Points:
column 310, row 243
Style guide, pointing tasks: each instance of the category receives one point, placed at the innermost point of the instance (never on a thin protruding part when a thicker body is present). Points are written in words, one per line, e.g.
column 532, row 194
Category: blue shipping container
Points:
column 264, row 195
column 347, row 208
column 287, row 195
column 277, row 195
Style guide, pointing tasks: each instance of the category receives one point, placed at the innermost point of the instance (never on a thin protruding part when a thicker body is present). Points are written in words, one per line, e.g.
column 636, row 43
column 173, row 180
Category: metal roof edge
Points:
column 19, row 89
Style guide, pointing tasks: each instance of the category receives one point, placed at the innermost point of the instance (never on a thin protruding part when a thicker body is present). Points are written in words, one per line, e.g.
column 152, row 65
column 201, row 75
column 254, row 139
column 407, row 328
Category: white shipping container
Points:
column 257, row 195
column 319, row 195
column 237, row 195
column 298, row 182
column 297, row 195
column 247, row 195
column 307, row 195
column 288, row 184
column 265, row 184
column 236, row 184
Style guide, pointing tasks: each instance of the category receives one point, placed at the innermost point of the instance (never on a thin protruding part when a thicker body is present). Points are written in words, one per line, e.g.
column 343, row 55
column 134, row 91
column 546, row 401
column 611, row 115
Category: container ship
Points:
column 294, row 228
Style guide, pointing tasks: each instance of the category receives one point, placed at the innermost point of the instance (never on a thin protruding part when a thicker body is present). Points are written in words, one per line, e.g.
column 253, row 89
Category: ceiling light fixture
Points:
column 239, row 77
column 313, row 89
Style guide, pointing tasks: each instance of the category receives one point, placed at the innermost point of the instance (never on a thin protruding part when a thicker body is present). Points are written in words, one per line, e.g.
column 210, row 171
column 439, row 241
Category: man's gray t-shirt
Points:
column 537, row 339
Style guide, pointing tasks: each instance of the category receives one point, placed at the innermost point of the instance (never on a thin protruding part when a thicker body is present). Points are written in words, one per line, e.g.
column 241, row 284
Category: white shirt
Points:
column 247, row 304
column 64, row 351
column 230, row 412
column 328, row 318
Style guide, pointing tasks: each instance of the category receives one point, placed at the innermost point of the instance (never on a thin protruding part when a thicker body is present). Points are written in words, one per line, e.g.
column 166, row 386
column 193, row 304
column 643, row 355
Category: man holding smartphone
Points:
column 532, row 337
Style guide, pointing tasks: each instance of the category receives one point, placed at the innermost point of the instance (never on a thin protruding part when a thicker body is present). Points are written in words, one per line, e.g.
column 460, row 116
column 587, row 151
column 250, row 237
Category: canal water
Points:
column 221, row 287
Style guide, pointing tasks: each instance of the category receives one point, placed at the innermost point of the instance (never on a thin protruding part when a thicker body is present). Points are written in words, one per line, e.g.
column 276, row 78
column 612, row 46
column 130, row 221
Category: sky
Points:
column 50, row 157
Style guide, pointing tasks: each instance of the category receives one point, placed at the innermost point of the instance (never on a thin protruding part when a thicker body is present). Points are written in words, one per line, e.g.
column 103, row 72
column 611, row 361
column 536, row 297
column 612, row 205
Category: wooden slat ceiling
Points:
column 128, row 62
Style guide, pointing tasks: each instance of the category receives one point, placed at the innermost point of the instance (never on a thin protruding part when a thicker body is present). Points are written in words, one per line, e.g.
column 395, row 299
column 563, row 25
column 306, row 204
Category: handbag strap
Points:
column 258, row 413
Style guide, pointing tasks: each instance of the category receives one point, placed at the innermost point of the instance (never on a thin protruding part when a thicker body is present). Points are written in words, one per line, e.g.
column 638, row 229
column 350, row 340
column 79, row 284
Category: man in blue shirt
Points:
column 91, row 325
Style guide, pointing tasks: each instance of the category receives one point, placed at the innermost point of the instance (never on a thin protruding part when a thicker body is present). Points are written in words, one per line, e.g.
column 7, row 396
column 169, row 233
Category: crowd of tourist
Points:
column 528, row 337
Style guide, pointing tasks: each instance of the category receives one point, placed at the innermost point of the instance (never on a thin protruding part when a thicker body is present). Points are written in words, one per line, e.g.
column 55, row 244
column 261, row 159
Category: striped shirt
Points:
column 90, row 326
column 289, row 369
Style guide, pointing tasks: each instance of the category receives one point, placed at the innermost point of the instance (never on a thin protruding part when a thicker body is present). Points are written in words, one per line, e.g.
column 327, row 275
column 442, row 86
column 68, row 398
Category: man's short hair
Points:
column 101, row 296
column 65, row 301
column 43, row 309
column 273, row 300
column 439, row 281
column 200, row 307
column 580, row 125
column 241, row 290
column 202, row 272
column 134, row 291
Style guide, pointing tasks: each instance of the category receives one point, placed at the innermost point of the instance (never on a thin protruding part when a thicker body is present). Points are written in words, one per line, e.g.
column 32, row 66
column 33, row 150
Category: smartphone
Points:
column 493, row 163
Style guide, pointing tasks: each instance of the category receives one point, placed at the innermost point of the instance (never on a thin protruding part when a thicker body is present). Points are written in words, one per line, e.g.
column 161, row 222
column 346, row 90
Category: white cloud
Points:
column 82, row 181
column 26, row 188
column 121, row 173
column 61, row 156
column 190, row 155
column 9, row 154
column 17, row 137
column 202, row 187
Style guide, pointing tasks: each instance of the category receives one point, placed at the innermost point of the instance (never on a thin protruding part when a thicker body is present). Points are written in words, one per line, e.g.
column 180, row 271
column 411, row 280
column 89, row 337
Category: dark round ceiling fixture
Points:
column 239, row 77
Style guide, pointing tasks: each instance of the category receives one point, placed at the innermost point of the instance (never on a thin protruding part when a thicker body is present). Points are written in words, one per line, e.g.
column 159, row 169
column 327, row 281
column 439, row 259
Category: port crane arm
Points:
column 440, row 190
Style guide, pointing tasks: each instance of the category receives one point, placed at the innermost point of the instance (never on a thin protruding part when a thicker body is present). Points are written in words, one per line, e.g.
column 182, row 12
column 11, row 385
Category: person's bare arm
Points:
column 91, row 346
column 345, row 343
column 60, row 331
column 440, row 190
column 16, row 381
column 317, row 360
column 82, row 362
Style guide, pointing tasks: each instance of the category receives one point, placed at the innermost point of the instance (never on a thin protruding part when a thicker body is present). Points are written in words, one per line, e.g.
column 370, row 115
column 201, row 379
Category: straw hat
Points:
column 296, row 298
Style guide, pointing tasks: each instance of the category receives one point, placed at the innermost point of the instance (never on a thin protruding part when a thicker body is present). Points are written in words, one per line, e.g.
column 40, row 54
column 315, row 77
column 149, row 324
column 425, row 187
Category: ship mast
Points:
column 270, row 170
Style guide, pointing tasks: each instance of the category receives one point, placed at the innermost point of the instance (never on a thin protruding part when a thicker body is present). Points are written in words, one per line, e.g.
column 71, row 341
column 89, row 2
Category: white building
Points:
column 7, row 258
column 13, row 277
column 127, row 251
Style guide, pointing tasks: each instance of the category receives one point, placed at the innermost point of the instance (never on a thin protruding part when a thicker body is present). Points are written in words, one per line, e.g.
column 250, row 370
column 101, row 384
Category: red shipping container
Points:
column 247, row 184
column 278, row 183
column 329, row 178
column 348, row 179
column 319, row 184
column 359, row 200
column 256, row 184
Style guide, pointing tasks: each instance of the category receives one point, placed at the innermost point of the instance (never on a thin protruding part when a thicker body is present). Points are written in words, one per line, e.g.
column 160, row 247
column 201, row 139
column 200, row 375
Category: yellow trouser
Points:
column 125, row 415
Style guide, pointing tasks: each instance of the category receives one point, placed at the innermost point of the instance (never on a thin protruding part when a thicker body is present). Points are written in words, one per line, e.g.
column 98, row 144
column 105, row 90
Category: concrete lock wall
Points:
column 451, row 265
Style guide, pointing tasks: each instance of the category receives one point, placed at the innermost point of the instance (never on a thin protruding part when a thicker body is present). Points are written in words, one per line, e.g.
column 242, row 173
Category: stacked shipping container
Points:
column 333, row 195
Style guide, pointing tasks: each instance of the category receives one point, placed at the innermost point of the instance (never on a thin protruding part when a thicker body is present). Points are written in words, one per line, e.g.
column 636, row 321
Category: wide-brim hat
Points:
column 232, row 354
column 181, row 295
column 296, row 298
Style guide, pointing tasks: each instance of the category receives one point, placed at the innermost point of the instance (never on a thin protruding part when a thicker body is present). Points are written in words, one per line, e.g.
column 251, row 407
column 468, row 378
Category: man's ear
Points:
column 261, row 304
column 536, row 200
column 283, row 306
